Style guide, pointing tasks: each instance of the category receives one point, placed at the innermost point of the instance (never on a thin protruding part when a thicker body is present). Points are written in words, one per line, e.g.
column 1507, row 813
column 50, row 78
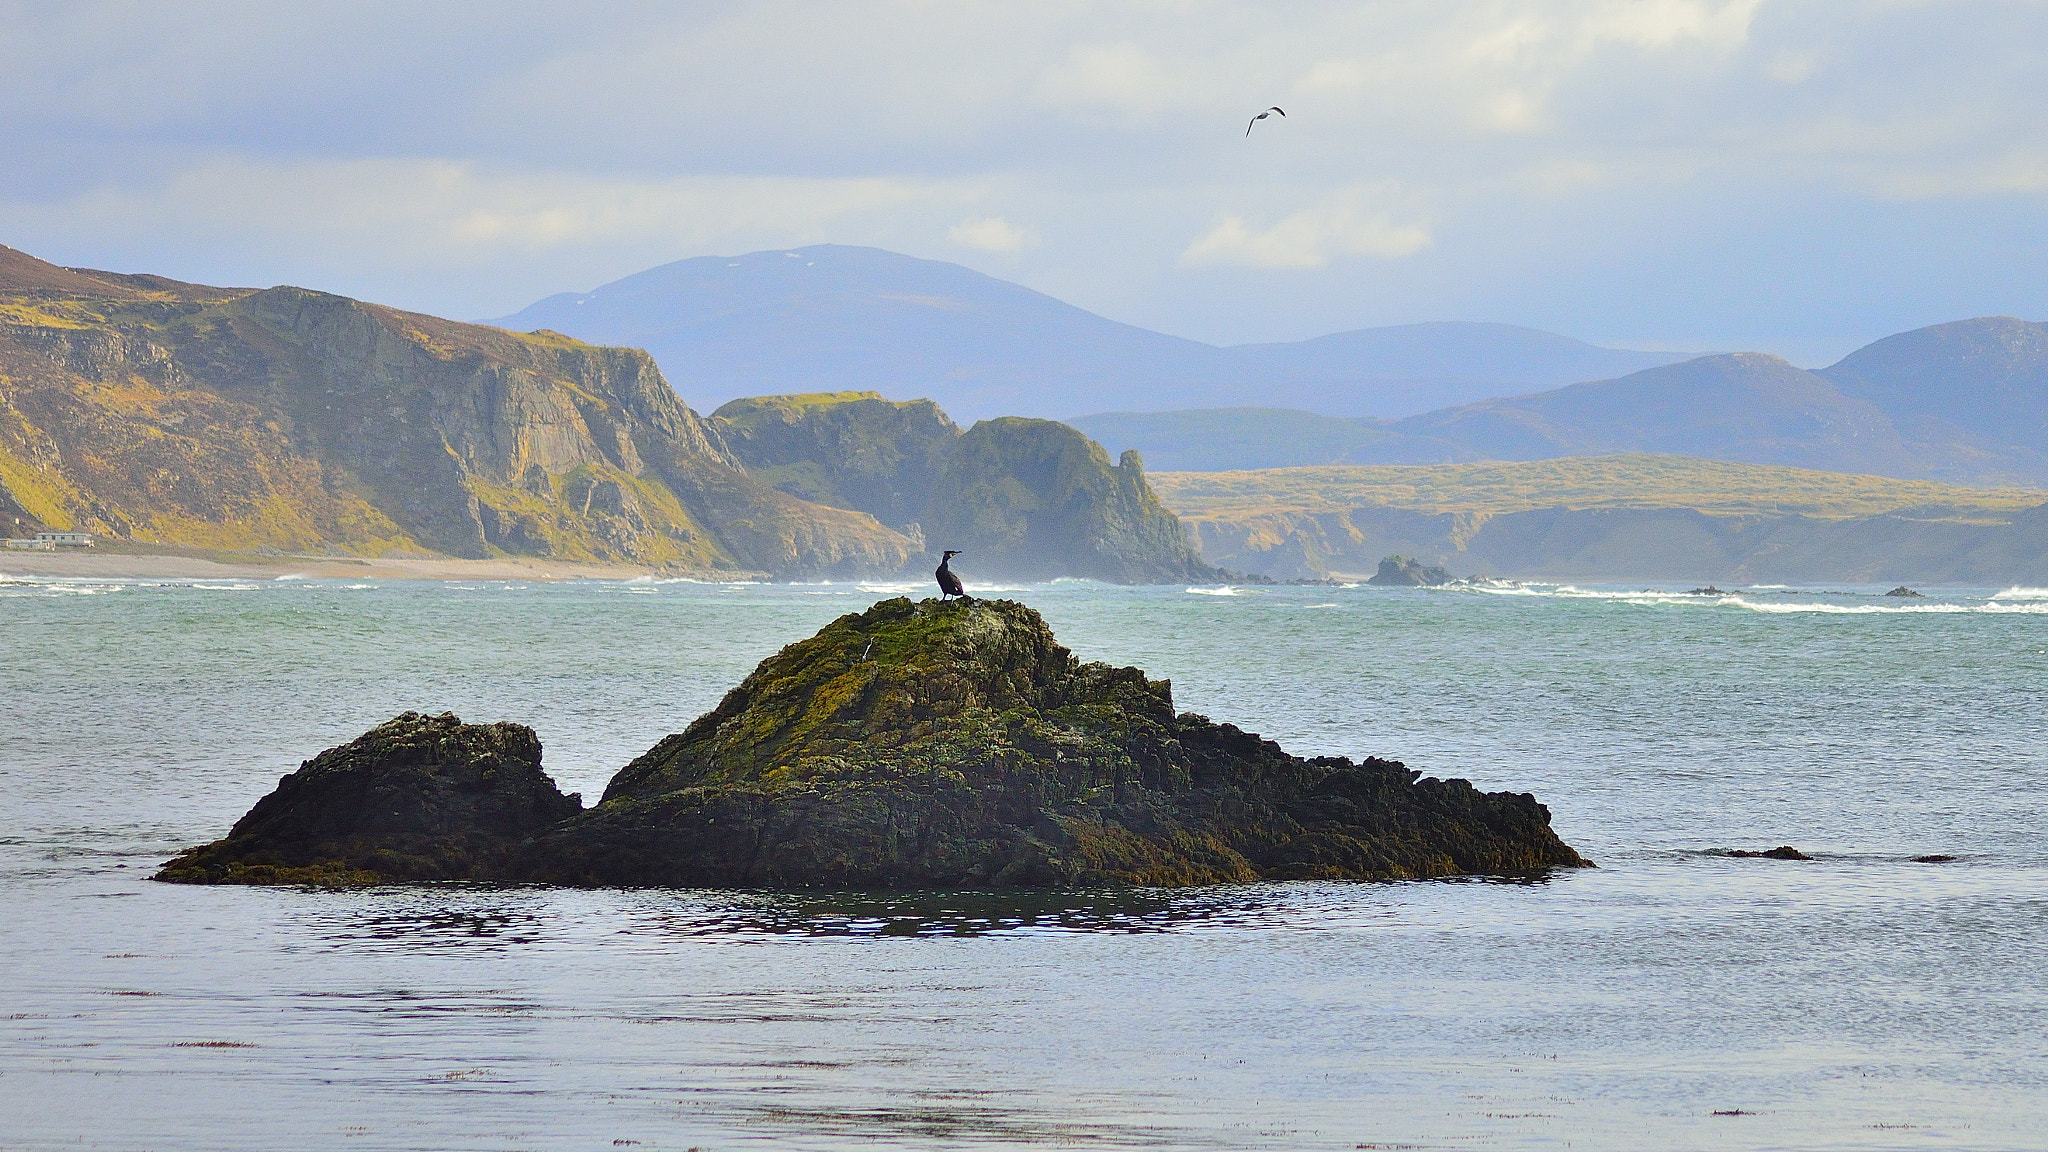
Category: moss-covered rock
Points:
column 913, row 745
column 415, row 798
column 959, row 745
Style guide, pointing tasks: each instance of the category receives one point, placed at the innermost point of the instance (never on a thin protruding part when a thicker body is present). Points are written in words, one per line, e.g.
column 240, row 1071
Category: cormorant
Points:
column 949, row 584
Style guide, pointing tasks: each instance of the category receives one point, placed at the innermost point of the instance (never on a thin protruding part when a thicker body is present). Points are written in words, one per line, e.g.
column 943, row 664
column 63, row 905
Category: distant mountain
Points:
column 1965, row 403
column 1979, row 387
column 833, row 318
column 1231, row 439
column 160, row 412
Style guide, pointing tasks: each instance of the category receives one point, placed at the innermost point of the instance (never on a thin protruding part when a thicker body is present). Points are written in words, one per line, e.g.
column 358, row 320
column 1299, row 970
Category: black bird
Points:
column 1262, row 116
column 949, row 584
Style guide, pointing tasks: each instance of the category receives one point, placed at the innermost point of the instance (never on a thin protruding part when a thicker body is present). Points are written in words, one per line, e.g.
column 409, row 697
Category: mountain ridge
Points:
column 835, row 317
column 1962, row 402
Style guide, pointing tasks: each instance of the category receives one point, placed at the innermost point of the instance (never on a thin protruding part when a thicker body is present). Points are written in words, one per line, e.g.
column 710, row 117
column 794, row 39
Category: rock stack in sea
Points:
column 937, row 745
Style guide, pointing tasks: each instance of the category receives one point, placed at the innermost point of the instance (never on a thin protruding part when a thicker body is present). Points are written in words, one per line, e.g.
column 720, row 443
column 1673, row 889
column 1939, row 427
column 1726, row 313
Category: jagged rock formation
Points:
column 934, row 745
column 144, row 408
column 1025, row 499
column 1035, row 499
column 1404, row 572
column 846, row 449
column 416, row 798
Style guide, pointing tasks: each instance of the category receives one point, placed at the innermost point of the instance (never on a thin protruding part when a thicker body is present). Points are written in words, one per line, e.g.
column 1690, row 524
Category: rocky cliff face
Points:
column 942, row 745
column 1025, row 499
column 174, row 413
column 1035, row 499
column 846, row 449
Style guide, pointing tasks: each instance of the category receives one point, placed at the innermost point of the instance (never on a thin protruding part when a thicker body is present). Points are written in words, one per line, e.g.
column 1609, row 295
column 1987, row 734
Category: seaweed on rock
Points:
column 958, row 745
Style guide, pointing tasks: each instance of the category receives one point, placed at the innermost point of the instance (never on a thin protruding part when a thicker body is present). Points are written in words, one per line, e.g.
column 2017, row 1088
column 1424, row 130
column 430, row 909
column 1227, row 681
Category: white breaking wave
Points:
column 2002, row 604
column 1941, row 609
column 1225, row 590
column 2017, row 593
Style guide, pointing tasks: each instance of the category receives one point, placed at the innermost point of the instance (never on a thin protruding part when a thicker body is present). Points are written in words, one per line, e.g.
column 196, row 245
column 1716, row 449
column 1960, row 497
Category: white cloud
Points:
column 989, row 234
column 434, row 210
column 1121, row 78
column 458, row 156
column 1344, row 224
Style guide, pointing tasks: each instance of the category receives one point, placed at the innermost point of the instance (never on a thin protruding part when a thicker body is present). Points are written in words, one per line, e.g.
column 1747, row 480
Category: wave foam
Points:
column 2019, row 593
column 1225, row 590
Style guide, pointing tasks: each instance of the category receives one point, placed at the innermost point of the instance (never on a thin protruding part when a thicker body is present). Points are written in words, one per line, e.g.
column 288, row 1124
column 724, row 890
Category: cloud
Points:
column 443, row 209
column 989, row 234
column 460, row 155
column 1342, row 225
column 457, row 237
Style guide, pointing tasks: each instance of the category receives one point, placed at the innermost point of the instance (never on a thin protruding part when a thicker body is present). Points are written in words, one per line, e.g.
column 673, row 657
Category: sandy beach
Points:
column 102, row 563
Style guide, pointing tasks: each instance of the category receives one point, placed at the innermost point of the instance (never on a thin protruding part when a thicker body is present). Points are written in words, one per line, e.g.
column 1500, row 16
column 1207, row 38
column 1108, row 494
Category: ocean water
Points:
column 1675, row 997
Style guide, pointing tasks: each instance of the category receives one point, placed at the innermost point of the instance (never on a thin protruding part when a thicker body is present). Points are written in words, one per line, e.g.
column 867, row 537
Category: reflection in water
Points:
column 458, row 916
column 973, row 913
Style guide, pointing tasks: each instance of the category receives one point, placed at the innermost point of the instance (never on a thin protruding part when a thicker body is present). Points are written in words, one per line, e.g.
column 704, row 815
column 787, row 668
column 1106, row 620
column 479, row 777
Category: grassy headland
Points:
column 1633, row 480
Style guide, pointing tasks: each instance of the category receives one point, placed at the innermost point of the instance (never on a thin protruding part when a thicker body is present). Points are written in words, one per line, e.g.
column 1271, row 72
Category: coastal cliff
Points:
column 1024, row 499
column 846, row 449
column 147, row 409
column 949, row 745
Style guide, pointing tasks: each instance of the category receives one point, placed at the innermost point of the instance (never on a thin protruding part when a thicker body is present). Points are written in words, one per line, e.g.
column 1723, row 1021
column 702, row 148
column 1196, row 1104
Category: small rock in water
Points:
column 1934, row 859
column 1709, row 590
column 1902, row 590
column 1403, row 572
column 1781, row 852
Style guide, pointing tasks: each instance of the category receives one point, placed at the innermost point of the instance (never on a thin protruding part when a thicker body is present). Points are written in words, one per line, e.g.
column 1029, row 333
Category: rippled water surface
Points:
column 1674, row 998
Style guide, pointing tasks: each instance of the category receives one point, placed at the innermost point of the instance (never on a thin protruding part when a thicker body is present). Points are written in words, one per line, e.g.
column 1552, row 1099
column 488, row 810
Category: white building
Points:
column 65, row 539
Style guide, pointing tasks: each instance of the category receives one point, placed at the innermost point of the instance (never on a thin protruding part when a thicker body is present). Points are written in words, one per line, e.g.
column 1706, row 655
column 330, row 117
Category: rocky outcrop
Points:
column 948, row 745
column 844, row 449
column 1024, row 499
column 1404, row 572
column 172, row 413
column 1035, row 499
column 416, row 798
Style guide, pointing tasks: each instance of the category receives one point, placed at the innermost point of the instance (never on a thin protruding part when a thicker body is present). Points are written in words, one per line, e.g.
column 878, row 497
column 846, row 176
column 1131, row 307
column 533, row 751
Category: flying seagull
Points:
column 1262, row 116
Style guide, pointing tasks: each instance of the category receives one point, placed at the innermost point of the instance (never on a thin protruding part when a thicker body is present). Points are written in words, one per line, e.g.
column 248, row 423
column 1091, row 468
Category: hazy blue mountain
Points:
column 1748, row 406
column 1978, row 387
column 1411, row 368
column 1965, row 403
column 833, row 318
column 1227, row 439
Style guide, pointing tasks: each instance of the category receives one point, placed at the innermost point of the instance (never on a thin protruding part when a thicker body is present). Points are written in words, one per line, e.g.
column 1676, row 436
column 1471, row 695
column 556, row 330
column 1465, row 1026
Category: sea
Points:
column 1674, row 997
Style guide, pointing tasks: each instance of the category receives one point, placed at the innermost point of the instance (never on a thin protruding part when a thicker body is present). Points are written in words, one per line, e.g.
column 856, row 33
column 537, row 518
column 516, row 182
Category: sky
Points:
column 1694, row 175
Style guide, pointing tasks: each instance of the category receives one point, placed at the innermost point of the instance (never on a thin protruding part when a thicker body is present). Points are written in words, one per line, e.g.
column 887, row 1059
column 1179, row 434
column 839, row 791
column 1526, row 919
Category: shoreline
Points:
column 197, row 565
